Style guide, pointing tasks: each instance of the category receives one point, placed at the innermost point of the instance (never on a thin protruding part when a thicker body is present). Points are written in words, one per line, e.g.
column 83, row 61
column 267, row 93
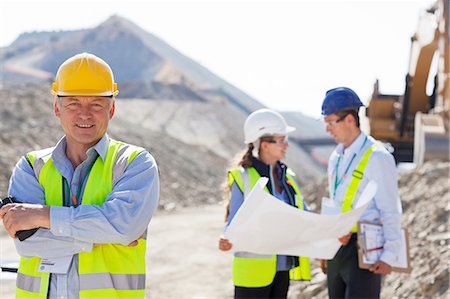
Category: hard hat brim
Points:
column 85, row 93
column 290, row 129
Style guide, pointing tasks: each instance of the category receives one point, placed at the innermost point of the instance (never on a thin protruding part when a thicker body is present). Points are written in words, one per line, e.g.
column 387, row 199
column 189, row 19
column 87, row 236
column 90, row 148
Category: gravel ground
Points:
column 184, row 262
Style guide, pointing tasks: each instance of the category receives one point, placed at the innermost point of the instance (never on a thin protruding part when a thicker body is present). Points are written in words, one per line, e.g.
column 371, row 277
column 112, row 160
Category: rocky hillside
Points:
column 189, row 173
column 425, row 194
column 192, row 142
column 188, row 102
column 193, row 170
column 144, row 65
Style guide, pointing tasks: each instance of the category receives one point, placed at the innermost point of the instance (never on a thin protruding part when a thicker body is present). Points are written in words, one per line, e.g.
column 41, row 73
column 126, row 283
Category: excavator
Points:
column 416, row 124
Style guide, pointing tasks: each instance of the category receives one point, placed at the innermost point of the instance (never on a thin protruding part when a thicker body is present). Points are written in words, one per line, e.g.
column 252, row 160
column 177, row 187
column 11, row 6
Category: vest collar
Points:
column 62, row 162
column 102, row 147
column 264, row 170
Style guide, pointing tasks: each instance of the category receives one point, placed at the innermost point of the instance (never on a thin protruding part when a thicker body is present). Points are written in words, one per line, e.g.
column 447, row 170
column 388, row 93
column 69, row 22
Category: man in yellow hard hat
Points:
column 91, row 197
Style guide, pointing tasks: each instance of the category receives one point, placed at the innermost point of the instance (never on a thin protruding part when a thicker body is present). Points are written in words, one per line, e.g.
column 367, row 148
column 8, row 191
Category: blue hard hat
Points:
column 340, row 99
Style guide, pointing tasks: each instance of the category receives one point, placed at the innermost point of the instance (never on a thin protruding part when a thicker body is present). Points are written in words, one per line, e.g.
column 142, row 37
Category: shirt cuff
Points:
column 59, row 224
column 83, row 246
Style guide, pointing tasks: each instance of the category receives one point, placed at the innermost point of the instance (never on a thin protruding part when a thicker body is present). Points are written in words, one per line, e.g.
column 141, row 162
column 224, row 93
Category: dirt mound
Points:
column 190, row 174
column 425, row 195
column 191, row 141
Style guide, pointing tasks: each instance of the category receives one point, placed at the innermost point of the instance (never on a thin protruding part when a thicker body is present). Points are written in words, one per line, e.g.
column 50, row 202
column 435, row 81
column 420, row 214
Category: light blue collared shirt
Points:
column 386, row 207
column 123, row 217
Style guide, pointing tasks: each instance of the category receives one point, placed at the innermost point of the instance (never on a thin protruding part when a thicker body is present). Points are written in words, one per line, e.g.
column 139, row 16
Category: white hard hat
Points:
column 264, row 122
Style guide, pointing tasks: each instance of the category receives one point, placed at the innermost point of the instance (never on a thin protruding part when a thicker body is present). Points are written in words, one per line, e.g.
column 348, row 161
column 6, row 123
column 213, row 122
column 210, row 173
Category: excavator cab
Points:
column 417, row 124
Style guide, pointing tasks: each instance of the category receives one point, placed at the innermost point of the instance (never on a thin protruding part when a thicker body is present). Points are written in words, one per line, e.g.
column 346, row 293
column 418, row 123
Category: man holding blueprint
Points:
column 357, row 160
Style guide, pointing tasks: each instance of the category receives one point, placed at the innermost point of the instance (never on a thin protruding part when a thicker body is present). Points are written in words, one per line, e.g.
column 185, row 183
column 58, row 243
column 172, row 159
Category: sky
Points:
column 285, row 54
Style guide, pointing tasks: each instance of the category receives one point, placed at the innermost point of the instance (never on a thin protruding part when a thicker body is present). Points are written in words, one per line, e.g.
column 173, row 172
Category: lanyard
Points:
column 76, row 197
column 337, row 181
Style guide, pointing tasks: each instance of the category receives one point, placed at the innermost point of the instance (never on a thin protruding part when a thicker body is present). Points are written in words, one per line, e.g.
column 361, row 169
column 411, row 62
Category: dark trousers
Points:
column 277, row 289
column 347, row 280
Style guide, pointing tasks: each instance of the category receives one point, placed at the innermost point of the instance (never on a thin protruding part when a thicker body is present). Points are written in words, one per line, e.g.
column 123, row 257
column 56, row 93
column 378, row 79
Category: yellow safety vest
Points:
column 109, row 270
column 252, row 270
column 357, row 176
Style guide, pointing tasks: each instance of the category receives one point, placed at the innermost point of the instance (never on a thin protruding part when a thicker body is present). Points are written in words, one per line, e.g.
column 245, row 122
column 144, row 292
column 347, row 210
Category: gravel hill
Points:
column 193, row 171
column 425, row 195
column 193, row 142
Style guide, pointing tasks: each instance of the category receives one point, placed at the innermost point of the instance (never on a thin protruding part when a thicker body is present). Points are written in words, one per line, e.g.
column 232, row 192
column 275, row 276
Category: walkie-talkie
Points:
column 21, row 234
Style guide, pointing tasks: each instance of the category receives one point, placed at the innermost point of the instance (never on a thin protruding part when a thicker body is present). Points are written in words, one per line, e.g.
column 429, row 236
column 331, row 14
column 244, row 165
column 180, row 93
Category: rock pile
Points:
column 425, row 194
column 190, row 174
column 191, row 141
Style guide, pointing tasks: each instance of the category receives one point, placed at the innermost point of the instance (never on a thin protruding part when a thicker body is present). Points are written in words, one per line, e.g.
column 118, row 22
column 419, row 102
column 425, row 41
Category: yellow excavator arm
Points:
column 417, row 124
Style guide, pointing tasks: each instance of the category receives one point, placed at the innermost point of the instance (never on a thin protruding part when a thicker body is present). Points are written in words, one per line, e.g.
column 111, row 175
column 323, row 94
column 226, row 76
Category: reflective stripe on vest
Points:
column 109, row 270
column 29, row 283
column 254, row 270
column 32, row 286
column 96, row 281
column 358, row 173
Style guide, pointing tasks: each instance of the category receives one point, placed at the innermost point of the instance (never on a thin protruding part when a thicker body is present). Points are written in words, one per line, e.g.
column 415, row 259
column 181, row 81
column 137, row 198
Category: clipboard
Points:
column 370, row 245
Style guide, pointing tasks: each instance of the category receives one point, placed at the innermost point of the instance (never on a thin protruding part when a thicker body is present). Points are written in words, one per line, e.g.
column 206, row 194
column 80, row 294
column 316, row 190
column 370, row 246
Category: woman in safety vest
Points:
column 255, row 275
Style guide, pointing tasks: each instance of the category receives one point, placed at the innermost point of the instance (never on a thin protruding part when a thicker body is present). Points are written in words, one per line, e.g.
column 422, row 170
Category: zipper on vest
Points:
column 64, row 192
column 49, row 284
column 70, row 198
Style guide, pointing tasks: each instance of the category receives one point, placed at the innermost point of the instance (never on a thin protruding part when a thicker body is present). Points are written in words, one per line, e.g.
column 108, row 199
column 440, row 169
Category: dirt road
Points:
column 183, row 259
column 182, row 256
column 8, row 257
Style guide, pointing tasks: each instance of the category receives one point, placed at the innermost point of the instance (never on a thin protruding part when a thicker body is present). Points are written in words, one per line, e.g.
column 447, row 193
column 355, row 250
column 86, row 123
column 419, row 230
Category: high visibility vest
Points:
column 255, row 270
column 357, row 176
column 109, row 270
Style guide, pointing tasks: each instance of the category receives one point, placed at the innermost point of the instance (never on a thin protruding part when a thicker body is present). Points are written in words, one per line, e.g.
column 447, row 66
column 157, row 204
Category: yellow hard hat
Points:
column 84, row 75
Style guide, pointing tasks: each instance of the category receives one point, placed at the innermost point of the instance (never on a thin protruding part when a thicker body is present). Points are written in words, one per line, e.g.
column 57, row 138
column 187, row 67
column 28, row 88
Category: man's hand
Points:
column 323, row 266
column 136, row 242
column 131, row 244
column 21, row 216
column 345, row 238
column 224, row 245
column 381, row 267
